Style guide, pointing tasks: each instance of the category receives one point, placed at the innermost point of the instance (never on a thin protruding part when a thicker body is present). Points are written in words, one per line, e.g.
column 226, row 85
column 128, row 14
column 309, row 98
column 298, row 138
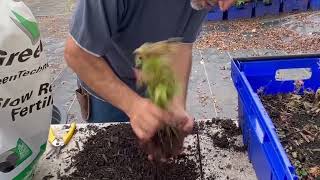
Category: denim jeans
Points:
column 104, row 112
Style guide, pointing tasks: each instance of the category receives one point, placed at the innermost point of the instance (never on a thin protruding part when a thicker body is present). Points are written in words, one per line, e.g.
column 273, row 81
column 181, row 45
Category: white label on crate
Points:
column 293, row 74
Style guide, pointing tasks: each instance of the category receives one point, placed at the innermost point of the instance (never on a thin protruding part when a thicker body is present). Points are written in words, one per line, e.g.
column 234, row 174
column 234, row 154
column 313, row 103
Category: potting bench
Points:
column 234, row 165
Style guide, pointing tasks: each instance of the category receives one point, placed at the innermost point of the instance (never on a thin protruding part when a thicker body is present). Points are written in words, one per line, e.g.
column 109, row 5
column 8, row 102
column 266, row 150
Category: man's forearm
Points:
column 181, row 63
column 98, row 75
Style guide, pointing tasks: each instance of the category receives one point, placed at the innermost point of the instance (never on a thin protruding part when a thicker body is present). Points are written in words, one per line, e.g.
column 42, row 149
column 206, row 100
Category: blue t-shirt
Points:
column 113, row 29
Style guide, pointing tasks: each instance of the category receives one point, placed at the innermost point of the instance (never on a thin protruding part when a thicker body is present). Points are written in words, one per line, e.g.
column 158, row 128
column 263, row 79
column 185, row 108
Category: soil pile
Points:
column 114, row 153
column 227, row 135
column 297, row 120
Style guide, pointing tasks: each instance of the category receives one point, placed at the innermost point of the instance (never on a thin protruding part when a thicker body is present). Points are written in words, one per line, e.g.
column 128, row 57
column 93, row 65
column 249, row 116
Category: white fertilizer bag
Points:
column 25, row 92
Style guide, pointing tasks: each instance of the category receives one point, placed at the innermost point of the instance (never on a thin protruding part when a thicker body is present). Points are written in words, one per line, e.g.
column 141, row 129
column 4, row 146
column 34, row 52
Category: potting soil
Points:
column 114, row 153
column 297, row 120
column 226, row 137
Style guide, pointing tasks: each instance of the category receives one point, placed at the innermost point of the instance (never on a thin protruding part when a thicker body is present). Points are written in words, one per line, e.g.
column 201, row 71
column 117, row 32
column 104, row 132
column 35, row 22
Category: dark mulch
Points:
column 47, row 177
column 297, row 120
column 113, row 153
column 227, row 136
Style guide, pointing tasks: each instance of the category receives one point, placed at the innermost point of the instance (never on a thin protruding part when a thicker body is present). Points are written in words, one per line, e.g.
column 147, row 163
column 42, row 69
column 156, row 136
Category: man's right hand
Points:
column 146, row 119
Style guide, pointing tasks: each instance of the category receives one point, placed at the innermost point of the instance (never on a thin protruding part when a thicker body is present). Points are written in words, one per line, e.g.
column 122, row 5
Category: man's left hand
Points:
column 208, row 4
column 184, row 125
column 184, row 120
column 225, row 4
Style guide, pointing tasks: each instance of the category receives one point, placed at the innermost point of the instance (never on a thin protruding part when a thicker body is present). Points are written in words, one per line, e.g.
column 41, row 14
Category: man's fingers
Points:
column 225, row 4
column 163, row 116
column 139, row 132
column 138, row 75
column 146, row 130
column 221, row 5
column 188, row 127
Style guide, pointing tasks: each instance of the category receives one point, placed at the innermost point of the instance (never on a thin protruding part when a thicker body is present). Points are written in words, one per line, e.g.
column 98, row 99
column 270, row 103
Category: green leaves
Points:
column 302, row 173
column 240, row 3
column 160, row 81
column 160, row 96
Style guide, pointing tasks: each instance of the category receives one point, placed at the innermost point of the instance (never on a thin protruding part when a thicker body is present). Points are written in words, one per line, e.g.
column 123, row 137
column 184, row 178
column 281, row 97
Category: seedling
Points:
column 157, row 75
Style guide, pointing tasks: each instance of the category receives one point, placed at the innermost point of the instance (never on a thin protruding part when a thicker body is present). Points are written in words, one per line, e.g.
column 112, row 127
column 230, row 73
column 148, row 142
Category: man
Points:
column 103, row 36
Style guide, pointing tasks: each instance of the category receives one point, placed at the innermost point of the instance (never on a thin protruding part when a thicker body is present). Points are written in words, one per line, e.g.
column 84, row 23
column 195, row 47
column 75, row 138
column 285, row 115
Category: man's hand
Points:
column 146, row 119
column 208, row 4
column 183, row 123
column 225, row 4
column 180, row 115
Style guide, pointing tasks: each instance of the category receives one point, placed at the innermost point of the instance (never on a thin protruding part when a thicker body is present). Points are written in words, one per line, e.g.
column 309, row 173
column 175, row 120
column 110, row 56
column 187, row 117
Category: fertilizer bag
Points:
column 25, row 92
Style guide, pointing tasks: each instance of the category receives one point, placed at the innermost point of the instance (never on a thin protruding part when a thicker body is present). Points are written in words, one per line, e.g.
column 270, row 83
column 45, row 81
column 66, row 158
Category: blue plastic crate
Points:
column 295, row 5
column 315, row 4
column 262, row 9
column 244, row 12
column 215, row 14
column 264, row 148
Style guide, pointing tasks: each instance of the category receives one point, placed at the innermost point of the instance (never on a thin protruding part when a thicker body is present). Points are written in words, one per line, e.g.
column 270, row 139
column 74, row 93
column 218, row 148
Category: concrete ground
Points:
column 211, row 91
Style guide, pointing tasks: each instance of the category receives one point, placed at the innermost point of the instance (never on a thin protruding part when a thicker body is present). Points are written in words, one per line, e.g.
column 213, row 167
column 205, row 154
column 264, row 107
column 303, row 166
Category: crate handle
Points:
column 293, row 74
column 258, row 128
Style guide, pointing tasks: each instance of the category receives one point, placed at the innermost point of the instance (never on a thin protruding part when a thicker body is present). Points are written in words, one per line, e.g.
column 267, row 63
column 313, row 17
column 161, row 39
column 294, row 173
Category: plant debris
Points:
column 297, row 120
column 113, row 153
column 258, row 34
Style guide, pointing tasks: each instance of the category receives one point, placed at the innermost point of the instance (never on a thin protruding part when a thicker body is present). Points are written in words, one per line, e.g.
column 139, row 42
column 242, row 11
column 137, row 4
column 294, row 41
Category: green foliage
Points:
column 302, row 172
column 160, row 81
column 240, row 3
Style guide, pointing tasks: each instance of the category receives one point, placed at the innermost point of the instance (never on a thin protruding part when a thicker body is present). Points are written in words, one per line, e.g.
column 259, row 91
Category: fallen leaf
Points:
column 315, row 171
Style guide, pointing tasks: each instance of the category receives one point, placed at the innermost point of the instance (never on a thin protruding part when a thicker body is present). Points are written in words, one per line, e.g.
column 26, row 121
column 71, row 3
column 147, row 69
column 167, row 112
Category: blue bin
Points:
column 295, row 5
column 215, row 14
column 244, row 12
column 263, row 10
column 315, row 4
column 264, row 148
